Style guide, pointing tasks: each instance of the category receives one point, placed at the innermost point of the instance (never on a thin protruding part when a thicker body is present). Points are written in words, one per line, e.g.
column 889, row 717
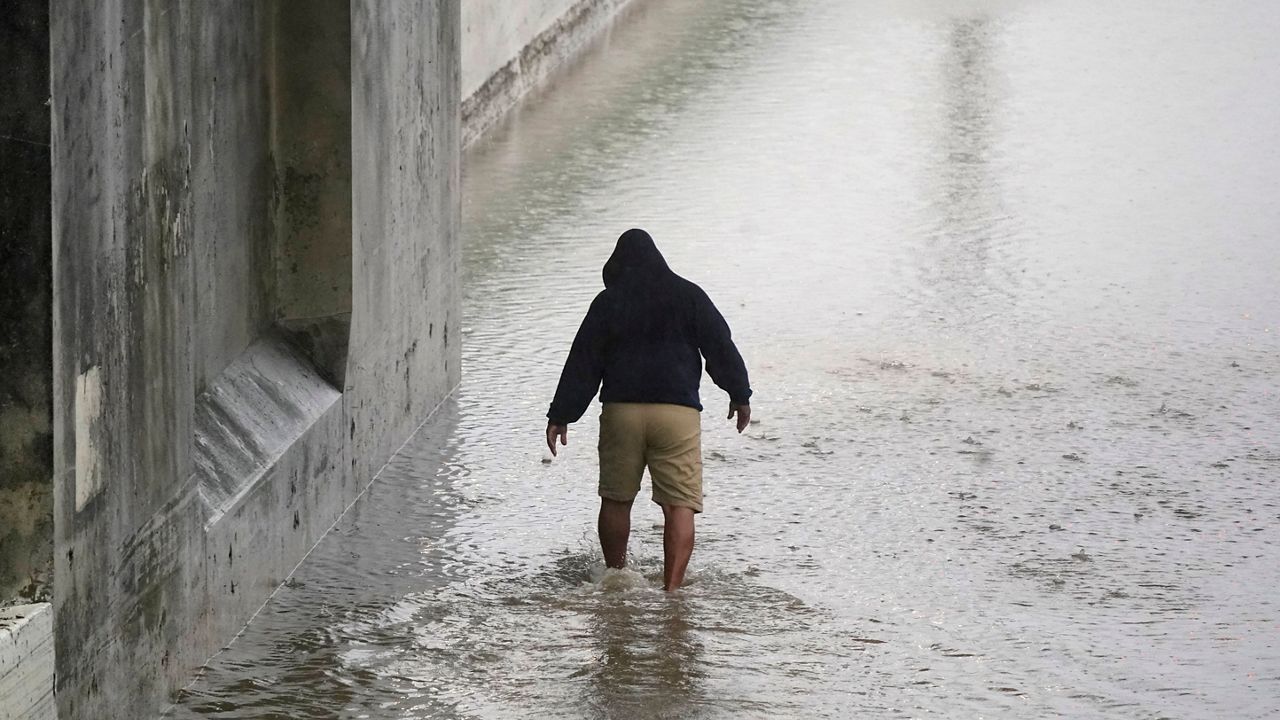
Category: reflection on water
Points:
column 967, row 208
column 1004, row 276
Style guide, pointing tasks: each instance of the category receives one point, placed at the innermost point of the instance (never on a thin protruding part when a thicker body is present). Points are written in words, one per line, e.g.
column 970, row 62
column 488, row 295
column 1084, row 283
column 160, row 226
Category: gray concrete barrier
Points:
column 255, row 227
column 26, row 663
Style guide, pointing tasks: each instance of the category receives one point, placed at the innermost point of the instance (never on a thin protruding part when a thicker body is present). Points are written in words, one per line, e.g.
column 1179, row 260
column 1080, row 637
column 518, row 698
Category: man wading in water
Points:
column 642, row 337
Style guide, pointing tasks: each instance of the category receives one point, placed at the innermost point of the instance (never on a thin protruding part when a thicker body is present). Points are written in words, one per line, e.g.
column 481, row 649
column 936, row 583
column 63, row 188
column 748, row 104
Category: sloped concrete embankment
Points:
column 507, row 51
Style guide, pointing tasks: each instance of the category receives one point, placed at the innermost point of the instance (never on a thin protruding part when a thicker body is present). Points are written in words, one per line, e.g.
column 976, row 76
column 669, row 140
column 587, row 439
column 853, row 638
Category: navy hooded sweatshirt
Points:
column 644, row 338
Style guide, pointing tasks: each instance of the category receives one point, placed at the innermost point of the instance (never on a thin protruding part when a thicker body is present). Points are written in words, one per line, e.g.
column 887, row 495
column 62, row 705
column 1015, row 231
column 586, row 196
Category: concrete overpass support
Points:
column 255, row 244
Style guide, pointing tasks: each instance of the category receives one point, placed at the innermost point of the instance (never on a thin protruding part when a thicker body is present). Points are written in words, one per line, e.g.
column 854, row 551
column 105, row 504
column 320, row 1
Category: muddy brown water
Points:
column 1006, row 278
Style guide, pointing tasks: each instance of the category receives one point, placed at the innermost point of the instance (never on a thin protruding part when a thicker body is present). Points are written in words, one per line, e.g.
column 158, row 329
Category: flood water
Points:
column 1005, row 277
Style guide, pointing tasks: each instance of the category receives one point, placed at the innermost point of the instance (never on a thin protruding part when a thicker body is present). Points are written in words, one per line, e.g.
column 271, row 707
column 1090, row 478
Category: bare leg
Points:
column 677, row 544
column 614, row 528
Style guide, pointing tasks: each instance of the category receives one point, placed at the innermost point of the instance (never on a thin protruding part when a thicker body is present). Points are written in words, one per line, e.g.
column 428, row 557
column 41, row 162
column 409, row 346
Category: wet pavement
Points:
column 1005, row 276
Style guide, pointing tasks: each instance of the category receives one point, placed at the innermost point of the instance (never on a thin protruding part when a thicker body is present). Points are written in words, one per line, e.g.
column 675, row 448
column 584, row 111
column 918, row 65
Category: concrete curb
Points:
column 26, row 662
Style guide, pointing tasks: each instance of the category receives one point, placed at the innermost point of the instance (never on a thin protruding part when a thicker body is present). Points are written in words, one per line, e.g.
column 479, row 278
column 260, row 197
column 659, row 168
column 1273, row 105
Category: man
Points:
column 642, row 337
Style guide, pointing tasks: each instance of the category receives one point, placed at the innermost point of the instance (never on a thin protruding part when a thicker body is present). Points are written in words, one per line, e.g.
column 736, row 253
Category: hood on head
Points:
column 635, row 252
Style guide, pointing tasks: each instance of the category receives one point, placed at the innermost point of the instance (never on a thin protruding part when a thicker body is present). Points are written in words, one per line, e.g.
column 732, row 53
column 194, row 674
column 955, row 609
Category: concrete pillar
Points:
column 255, row 223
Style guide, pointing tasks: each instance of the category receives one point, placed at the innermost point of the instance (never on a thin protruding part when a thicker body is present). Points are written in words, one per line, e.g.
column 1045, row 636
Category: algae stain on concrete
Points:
column 26, row 500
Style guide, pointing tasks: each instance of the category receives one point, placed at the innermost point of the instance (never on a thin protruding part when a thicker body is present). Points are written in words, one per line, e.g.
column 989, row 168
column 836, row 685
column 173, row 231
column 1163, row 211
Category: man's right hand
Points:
column 744, row 415
column 556, row 432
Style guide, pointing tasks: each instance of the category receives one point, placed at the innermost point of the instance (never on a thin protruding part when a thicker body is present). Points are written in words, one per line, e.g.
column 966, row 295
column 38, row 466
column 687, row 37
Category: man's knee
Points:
column 677, row 513
column 610, row 505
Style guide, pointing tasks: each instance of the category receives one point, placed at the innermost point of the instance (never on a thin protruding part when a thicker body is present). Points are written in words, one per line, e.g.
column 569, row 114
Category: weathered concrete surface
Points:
column 248, row 417
column 26, row 663
column 509, row 49
column 311, row 148
column 406, row 208
column 26, row 420
column 254, row 298
column 494, row 32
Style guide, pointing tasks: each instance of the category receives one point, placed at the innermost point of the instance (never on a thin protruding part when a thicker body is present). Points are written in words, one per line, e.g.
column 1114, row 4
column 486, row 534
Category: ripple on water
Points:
column 1014, row 352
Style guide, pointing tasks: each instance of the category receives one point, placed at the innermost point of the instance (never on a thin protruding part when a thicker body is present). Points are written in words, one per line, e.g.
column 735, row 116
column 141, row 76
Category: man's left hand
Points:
column 556, row 431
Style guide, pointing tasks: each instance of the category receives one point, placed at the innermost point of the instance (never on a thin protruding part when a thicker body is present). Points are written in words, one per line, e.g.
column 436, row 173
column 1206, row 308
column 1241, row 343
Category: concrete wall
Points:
column 26, row 419
column 495, row 32
column 26, row 663
column 255, row 248
column 509, row 48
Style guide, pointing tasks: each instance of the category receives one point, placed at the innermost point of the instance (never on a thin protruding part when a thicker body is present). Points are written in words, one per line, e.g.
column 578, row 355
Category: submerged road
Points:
column 1005, row 275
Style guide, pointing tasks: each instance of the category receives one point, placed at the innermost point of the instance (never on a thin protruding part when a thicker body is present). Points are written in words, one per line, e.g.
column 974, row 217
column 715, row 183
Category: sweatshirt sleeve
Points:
column 584, row 368
column 724, row 362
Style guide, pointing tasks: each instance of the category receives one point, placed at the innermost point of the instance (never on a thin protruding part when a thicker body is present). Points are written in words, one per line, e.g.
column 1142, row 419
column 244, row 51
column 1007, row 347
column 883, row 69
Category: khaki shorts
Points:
column 667, row 438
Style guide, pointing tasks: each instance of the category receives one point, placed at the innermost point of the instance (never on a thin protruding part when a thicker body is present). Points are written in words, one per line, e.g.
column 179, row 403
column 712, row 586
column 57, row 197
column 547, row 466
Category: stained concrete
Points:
column 255, row 304
column 26, row 420
column 311, row 153
column 254, row 263
column 493, row 35
column 506, row 53
column 26, row 663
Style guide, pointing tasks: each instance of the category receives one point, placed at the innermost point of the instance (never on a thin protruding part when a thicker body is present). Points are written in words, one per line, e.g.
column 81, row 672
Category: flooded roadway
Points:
column 1005, row 275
